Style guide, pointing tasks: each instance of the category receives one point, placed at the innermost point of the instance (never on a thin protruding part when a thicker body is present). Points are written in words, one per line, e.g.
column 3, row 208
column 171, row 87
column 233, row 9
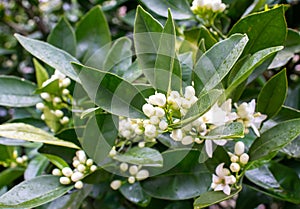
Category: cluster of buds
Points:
column 55, row 102
column 16, row 161
column 239, row 159
column 82, row 168
column 223, row 179
column 207, row 8
column 136, row 173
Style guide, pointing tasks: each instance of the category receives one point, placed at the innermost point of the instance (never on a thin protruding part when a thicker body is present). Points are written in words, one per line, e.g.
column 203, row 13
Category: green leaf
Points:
column 56, row 58
column 62, row 36
column 30, row 133
column 92, row 33
column 52, row 88
column 36, row 167
column 17, row 92
column 262, row 34
column 135, row 194
column 34, row 192
column 133, row 72
column 119, row 57
column 57, row 161
column 40, row 72
column 228, row 131
column 111, row 93
column 8, row 175
column 180, row 8
column 211, row 197
column 216, row 63
column 141, row 156
column 147, row 33
column 273, row 94
column 100, row 134
column 272, row 140
column 6, row 152
column 167, row 70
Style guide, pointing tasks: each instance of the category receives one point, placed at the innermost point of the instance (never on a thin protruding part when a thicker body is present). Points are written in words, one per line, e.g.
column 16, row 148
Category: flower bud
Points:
column 189, row 92
column 65, row 92
column 46, row 96
column 19, row 160
column 154, row 120
column 230, row 179
column 75, row 163
column 123, row 167
column 131, row 179
column 234, row 158
column 81, row 156
column 67, row 171
column 113, row 152
column 66, row 82
column 78, row 185
column 159, row 112
column 244, row 158
column 56, row 172
column 89, row 162
column 239, row 148
column 93, row 168
column 138, row 131
column 56, row 100
column 76, row 176
column 64, row 180
column 64, row 120
column 187, row 140
column 81, row 168
column 163, row 125
column 116, row 184
column 176, row 135
column 235, row 167
column 133, row 170
column 150, row 131
column 40, row 106
column 148, row 110
column 24, row 158
column 141, row 144
column 142, row 174
column 58, row 113
column 43, row 116
column 158, row 99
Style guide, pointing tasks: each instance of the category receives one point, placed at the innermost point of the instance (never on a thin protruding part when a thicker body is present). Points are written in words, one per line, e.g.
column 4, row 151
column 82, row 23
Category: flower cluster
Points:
column 223, row 179
column 54, row 102
column 136, row 173
column 207, row 9
column 15, row 161
column 239, row 159
column 82, row 167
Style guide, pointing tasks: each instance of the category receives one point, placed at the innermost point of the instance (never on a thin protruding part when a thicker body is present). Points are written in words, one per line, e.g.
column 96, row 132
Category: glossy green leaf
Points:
column 273, row 94
column 57, row 161
column 17, row 142
column 211, row 197
column 292, row 149
column 51, row 120
column 237, row 78
column 180, row 8
column 51, row 88
column 272, row 140
column 111, row 92
column 133, row 72
column 135, row 194
column 167, row 71
column 17, row 92
column 30, row 133
column 216, row 63
column 228, row 131
column 262, row 34
column 119, row 57
column 100, row 134
column 40, row 73
column 36, row 167
column 6, row 152
column 141, row 156
column 34, row 192
column 56, row 58
column 186, row 63
column 8, row 175
column 62, row 36
column 92, row 33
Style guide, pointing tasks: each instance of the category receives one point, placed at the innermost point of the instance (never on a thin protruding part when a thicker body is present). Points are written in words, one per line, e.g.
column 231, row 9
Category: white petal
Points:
column 227, row 189
column 219, row 169
column 251, row 106
column 254, row 128
column 220, row 142
column 209, row 148
column 219, row 187
column 216, row 179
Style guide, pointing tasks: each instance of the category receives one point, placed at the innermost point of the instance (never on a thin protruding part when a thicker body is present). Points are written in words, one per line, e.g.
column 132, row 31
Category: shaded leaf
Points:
column 135, row 194
column 36, row 167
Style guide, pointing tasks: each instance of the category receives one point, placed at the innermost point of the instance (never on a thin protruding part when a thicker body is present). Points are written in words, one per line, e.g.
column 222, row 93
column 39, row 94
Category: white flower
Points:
column 142, row 174
column 239, row 148
column 116, row 184
column 177, row 135
column 222, row 180
column 57, row 75
column 148, row 110
column 159, row 112
column 209, row 145
column 158, row 99
column 78, row 185
column 150, row 131
column 163, row 125
column 246, row 112
column 189, row 92
column 154, row 120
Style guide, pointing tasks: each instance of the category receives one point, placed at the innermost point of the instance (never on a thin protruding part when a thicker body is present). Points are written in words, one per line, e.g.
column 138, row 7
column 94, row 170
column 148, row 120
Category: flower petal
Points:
column 227, row 189
column 209, row 148
column 220, row 142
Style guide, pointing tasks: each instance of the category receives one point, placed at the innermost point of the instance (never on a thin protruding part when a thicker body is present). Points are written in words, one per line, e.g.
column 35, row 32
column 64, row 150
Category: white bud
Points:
column 19, row 160
column 78, row 185
column 65, row 92
column 176, row 135
column 89, row 162
column 150, row 131
column 133, row 170
column 235, row 167
column 24, row 158
column 239, row 148
column 159, row 112
column 81, row 156
column 189, row 92
column 81, row 168
column 113, row 152
column 76, row 176
column 64, row 180
column 163, row 125
column 244, row 158
column 185, row 103
column 142, row 174
column 154, row 120
column 57, row 100
column 131, row 179
column 158, row 99
column 46, row 96
column 64, row 120
column 58, row 113
column 66, row 82
column 234, row 158
column 116, row 184
column 75, row 163
column 187, row 140
column 148, row 110
column 43, row 116
column 123, row 167
column 93, row 168
column 67, row 171
column 40, row 106
column 138, row 131
column 141, row 144
column 56, row 172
